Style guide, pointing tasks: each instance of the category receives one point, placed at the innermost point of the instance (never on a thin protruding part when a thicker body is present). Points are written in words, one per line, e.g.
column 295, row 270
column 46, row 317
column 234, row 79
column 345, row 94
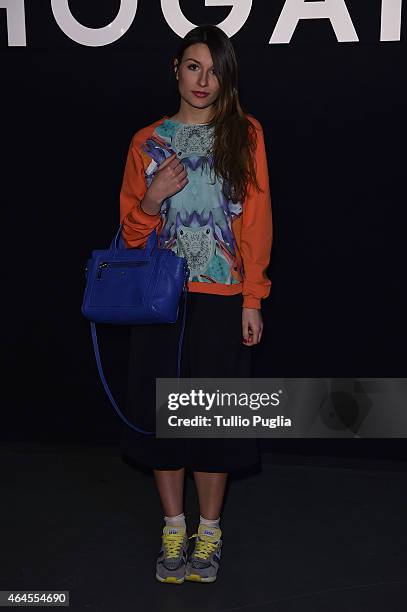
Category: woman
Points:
column 200, row 179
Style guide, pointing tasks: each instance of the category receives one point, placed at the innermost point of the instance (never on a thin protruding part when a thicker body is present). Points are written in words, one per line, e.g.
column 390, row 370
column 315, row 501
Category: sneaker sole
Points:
column 170, row 579
column 198, row 578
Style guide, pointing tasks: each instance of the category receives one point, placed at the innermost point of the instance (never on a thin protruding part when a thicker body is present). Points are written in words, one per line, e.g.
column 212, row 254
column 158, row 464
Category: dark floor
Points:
column 301, row 536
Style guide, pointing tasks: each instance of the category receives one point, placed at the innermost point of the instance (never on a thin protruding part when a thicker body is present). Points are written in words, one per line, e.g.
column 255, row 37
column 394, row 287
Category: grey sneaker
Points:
column 173, row 555
column 203, row 564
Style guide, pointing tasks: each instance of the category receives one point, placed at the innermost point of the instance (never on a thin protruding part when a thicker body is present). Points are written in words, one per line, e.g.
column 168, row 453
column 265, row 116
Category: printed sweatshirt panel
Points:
column 227, row 244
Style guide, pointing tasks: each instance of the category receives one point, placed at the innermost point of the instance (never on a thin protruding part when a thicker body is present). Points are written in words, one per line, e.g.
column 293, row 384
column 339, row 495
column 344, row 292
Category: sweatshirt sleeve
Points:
column 137, row 224
column 257, row 231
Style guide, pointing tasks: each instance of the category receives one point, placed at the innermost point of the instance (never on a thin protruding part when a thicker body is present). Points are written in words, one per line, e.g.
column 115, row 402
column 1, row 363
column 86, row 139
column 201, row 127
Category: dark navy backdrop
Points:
column 334, row 117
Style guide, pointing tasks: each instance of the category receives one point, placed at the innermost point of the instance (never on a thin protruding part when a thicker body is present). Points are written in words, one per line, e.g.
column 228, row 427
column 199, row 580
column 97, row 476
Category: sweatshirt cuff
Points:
column 249, row 301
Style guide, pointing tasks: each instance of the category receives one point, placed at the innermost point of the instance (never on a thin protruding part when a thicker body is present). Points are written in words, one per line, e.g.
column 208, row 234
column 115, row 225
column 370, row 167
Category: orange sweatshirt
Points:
column 227, row 245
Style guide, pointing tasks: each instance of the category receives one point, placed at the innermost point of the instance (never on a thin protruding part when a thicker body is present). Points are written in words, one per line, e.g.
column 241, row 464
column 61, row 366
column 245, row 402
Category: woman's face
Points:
column 196, row 75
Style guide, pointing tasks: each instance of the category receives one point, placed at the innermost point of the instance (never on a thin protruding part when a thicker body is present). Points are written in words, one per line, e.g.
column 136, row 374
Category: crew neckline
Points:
column 182, row 123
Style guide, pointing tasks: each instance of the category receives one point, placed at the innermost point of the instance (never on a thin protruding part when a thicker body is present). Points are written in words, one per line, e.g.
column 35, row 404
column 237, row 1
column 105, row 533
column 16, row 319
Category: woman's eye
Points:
column 193, row 66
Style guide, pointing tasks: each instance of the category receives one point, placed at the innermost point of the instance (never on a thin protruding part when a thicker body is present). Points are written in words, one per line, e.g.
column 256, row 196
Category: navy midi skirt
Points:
column 212, row 347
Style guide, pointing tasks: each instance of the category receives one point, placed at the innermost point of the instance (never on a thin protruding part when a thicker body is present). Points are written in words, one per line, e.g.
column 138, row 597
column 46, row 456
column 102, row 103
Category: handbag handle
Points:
column 118, row 242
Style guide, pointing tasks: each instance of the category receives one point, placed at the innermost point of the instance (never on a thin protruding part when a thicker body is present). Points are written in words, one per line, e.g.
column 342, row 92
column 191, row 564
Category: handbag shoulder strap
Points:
column 102, row 376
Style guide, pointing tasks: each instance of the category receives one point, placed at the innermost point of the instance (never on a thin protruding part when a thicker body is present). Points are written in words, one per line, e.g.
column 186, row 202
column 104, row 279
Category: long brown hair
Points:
column 235, row 136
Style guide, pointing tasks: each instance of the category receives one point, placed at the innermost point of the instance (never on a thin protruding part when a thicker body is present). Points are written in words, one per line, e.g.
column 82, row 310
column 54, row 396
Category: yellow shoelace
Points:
column 172, row 544
column 203, row 548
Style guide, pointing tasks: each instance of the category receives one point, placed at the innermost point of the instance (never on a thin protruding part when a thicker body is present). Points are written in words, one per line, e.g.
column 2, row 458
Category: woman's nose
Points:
column 203, row 79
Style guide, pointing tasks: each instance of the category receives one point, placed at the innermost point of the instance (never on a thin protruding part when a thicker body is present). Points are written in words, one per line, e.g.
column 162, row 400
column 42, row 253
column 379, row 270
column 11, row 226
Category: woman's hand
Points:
column 170, row 178
column 252, row 326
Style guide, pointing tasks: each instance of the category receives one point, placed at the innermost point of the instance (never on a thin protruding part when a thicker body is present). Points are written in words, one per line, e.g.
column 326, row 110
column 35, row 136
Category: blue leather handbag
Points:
column 132, row 286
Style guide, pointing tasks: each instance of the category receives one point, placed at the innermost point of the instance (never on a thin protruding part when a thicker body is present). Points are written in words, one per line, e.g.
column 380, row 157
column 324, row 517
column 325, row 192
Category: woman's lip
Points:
column 200, row 94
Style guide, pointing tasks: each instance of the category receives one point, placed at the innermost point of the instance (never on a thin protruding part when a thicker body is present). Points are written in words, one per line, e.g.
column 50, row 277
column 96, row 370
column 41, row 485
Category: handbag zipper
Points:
column 119, row 264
